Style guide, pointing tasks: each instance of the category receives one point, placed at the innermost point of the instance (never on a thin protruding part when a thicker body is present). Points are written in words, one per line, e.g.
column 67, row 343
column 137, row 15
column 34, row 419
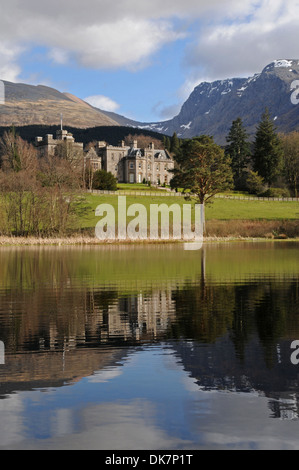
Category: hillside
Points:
column 31, row 105
column 212, row 107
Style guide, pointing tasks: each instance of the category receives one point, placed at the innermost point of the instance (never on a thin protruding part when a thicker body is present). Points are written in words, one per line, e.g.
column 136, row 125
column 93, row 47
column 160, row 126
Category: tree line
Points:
column 268, row 166
column 38, row 196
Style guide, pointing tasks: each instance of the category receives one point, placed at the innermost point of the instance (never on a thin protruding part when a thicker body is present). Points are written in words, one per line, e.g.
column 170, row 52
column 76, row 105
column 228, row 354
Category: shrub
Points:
column 254, row 183
column 102, row 180
column 276, row 192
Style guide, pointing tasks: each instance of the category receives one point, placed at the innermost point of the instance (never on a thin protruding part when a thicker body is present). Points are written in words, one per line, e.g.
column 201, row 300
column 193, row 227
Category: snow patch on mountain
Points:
column 283, row 63
column 186, row 126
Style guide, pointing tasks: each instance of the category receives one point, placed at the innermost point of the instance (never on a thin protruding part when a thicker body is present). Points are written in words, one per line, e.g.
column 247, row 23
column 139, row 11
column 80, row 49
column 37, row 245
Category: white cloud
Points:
column 99, row 34
column 9, row 69
column 226, row 50
column 59, row 56
column 102, row 102
column 123, row 44
column 225, row 37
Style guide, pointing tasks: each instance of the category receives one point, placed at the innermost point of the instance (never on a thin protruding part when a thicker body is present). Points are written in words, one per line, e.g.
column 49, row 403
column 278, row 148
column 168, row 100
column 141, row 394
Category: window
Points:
column 132, row 166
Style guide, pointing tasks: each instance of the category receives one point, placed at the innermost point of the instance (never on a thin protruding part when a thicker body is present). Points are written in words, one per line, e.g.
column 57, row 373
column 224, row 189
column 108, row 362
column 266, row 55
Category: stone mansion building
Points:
column 128, row 163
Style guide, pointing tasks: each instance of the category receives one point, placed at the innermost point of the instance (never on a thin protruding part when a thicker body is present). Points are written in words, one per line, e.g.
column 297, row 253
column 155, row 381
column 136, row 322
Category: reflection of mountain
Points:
column 60, row 322
column 217, row 367
column 54, row 368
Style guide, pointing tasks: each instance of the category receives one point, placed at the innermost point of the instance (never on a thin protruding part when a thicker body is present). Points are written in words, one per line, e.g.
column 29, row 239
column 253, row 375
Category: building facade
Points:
column 47, row 146
column 132, row 164
column 127, row 163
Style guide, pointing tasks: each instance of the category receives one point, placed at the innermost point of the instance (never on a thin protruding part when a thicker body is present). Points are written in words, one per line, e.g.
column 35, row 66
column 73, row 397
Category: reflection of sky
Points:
column 147, row 402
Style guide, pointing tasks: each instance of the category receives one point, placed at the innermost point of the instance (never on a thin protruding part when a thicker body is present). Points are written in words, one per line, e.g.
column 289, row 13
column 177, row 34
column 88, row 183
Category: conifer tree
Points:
column 166, row 142
column 174, row 143
column 268, row 153
column 238, row 148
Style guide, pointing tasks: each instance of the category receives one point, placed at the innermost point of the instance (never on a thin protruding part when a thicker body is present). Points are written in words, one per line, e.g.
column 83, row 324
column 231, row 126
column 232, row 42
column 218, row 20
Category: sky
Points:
column 142, row 58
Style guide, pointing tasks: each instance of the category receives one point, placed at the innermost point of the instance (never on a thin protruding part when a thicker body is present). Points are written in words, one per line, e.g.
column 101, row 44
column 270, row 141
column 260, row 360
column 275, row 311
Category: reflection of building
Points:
column 137, row 317
column 285, row 407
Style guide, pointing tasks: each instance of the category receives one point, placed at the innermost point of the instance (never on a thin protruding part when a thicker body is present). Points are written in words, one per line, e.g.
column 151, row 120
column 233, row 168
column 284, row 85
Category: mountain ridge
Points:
column 213, row 106
column 210, row 109
column 41, row 105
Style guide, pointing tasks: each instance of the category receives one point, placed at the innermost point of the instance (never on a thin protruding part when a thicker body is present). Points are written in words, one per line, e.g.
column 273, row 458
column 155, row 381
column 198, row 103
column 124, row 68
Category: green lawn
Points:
column 137, row 187
column 220, row 209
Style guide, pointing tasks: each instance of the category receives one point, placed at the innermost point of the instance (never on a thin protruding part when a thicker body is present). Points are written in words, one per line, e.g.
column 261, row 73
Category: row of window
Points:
column 149, row 167
column 140, row 178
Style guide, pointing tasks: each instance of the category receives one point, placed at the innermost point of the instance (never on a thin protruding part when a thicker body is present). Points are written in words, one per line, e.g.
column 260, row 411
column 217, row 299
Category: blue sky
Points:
column 142, row 59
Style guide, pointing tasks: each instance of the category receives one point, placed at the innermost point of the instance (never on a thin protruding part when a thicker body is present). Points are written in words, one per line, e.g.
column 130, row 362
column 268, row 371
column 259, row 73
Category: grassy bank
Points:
column 226, row 219
column 219, row 209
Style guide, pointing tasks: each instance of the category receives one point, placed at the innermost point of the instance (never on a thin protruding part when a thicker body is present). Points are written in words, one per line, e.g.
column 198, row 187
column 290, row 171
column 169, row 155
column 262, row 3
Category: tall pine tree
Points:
column 175, row 143
column 238, row 149
column 268, row 152
column 166, row 142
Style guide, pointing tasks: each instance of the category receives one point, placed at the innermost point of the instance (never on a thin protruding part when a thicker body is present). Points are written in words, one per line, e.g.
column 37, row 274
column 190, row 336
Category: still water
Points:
column 149, row 348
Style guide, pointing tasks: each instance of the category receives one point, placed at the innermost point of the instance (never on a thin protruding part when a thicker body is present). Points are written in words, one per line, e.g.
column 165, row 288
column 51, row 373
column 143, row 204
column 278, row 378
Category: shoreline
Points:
column 6, row 241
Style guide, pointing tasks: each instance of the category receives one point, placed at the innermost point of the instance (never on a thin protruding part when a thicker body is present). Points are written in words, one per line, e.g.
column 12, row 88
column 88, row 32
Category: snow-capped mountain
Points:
column 212, row 107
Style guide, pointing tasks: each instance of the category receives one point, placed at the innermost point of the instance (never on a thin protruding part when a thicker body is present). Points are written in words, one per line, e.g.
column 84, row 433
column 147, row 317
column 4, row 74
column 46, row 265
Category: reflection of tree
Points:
column 204, row 312
column 45, row 303
column 277, row 315
column 269, row 309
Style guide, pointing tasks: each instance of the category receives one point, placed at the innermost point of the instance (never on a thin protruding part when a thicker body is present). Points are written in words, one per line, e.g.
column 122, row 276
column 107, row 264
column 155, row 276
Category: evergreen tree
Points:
column 238, row 149
column 268, row 153
column 290, row 144
column 166, row 142
column 174, row 143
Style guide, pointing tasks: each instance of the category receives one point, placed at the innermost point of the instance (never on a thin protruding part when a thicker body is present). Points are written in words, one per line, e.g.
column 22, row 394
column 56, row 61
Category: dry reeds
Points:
column 272, row 229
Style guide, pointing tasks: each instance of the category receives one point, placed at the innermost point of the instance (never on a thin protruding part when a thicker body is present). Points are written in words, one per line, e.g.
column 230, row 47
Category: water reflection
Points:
column 78, row 320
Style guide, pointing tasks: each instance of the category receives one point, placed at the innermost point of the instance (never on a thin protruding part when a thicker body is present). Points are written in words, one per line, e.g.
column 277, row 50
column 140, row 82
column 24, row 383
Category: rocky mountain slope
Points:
column 212, row 107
